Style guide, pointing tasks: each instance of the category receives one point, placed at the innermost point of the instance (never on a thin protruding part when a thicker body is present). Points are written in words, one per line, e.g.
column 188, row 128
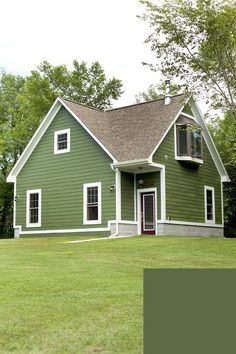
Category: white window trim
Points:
column 206, row 188
column 184, row 158
column 58, row 132
column 32, row 191
column 85, row 217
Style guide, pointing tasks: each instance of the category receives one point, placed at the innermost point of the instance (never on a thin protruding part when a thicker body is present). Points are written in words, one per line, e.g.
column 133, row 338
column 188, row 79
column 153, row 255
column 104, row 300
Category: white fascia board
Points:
column 209, row 141
column 34, row 140
column 130, row 163
column 168, row 129
column 88, row 130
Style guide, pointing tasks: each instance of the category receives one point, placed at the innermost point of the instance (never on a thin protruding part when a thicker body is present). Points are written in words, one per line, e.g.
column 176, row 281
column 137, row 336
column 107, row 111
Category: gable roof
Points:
column 125, row 134
column 131, row 132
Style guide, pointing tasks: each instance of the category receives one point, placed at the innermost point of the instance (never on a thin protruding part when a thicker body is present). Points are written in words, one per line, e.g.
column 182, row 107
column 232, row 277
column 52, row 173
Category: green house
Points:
column 148, row 168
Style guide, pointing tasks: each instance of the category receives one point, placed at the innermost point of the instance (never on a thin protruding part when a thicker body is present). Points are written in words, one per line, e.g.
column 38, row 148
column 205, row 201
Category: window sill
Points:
column 91, row 222
column 189, row 159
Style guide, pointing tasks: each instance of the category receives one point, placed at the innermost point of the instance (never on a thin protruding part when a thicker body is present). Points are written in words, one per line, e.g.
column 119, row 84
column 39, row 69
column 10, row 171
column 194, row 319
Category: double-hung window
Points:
column 62, row 141
column 33, row 208
column 92, row 203
column 209, row 204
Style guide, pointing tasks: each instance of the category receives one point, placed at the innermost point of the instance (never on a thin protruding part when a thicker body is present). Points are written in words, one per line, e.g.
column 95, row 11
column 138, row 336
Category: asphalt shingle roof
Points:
column 131, row 132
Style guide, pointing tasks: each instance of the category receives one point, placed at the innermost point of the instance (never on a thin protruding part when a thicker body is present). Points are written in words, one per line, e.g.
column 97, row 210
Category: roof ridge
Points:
column 146, row 102
column 82, row 104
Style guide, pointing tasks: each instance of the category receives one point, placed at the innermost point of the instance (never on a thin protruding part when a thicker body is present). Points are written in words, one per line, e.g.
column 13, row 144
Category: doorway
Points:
column 148, row 213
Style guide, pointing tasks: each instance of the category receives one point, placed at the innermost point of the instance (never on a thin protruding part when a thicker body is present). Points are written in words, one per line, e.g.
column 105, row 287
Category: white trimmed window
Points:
column 209, row 204
column 188, row 143
column 62, row 141
column 33, row 208
column 92, row 203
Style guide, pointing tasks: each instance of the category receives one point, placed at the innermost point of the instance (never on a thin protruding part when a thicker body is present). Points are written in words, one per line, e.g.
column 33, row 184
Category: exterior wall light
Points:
column 113, row 187
column 16, row 197
column 140, row 182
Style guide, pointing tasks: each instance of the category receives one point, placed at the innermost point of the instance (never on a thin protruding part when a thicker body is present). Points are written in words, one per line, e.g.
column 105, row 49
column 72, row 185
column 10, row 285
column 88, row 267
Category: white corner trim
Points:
column 28, row 193
column 85, row 216
column 14, row 206
column 118, row 195
column 59, row 132
column 212, row 189
column 135, row 197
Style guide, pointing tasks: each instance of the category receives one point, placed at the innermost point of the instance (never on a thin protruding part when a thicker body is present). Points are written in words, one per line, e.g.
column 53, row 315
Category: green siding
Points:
column 61, row 178
column 127, row 196
column 151, row 179
column 185, row 184
column 187, row 109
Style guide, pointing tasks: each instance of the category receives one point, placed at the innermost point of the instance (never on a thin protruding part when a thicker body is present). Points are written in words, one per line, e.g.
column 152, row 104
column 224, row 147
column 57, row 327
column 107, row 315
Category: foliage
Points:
column 88, row 297
column 154, row 92
column 24, row 101
column 224, row 134
column 195, row 41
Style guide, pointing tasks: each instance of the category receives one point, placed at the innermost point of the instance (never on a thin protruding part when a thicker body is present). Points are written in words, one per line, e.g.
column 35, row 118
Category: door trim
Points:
column 146, row 190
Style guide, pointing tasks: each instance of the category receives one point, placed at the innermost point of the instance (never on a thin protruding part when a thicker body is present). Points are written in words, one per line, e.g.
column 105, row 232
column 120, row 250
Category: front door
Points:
column 148, row 213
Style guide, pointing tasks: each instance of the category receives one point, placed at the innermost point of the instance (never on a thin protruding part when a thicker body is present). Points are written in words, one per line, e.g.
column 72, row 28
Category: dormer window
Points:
column 62, row 141
column 189, row 143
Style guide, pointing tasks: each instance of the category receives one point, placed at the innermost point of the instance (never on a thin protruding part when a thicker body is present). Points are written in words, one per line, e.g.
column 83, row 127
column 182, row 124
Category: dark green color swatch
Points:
column 188, row 311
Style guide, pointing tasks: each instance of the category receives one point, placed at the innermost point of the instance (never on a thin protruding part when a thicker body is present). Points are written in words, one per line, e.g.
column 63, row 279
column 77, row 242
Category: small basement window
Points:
column 62, row 141
column 189, row 143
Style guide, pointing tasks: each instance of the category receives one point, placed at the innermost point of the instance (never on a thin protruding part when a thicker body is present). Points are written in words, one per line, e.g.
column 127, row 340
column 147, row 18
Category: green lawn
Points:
column 88, row 297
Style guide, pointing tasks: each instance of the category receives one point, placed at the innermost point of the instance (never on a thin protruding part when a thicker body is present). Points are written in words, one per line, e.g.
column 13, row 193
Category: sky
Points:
column 59, row 31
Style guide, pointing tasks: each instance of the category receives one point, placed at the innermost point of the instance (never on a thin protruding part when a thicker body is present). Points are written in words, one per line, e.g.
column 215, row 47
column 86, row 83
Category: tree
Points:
column 24, row 103
column 154, row 92
column 224, row 133
column 195, row 41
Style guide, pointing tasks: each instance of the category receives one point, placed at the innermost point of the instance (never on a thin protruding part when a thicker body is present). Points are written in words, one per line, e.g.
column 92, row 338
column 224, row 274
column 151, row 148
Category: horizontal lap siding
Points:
column 127, row 196
column 61, row 178
column 185, row 184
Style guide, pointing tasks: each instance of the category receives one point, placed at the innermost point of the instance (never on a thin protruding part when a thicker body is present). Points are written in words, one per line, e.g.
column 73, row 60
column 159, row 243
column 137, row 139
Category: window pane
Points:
column 34, row 200
column 92, row 195
column 92, row 203
column 196, row 143
column 209, row 204
column 62, row 141
column 209, row 197
column 92, row 212
column 34, row 208
column 34, row 217
column 182, row 141
column 148, row 212
column 209, row 212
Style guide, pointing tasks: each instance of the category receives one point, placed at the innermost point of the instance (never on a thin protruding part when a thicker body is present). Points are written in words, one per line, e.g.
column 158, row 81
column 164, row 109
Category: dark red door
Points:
column 148, row 213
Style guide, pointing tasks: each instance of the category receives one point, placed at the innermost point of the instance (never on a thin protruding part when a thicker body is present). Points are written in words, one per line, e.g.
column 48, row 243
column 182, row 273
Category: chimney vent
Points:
column 167, row 95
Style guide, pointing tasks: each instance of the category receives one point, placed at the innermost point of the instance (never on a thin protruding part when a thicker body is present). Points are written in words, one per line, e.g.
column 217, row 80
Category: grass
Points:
column 88, row 297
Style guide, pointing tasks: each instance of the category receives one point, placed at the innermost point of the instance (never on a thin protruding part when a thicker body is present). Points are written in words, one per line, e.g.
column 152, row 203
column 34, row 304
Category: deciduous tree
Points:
column 195, row 41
